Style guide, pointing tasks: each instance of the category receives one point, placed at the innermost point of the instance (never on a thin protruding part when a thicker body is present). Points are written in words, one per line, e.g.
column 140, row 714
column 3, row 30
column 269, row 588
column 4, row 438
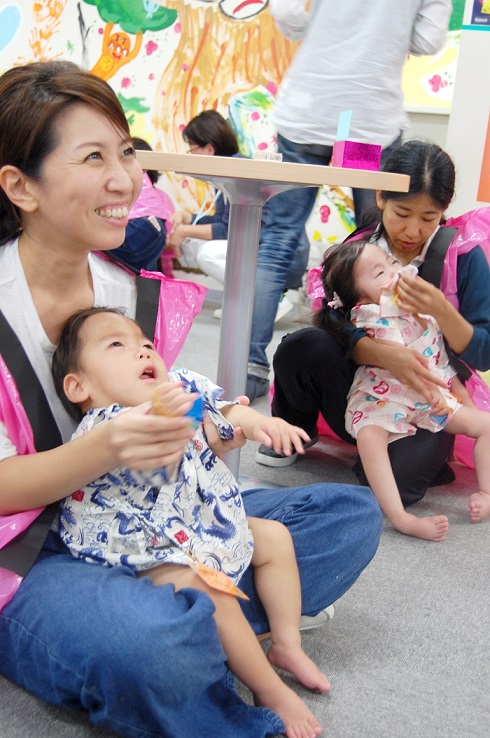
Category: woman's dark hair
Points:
column 338, row 281
column 141, row 145
column 431, row 171
column 209, row 127
column 66, row 357
column 32, row 99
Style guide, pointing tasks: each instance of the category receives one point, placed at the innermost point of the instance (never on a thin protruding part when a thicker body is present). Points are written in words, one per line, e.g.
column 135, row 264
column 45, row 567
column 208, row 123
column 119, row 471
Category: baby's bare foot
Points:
column 294, row 660
column 430, row 529
column 479, row 506
column 299, row 720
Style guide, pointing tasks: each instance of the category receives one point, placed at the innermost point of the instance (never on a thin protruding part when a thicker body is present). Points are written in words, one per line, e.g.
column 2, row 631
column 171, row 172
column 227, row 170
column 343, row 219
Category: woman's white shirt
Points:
column 112, row 286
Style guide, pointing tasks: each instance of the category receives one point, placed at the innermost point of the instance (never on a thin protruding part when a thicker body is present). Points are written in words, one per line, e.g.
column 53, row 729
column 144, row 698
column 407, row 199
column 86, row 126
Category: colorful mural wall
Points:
column 169, row 59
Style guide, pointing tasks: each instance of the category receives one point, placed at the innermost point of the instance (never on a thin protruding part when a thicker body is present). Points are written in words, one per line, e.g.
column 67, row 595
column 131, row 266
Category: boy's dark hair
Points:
column 338, row 279
column 66, row 357
column 209, row 127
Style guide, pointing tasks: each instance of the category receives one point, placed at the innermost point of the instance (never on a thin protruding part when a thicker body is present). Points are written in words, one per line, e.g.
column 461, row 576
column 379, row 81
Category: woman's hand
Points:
column 407, row 365
column 415, row 295
column 412, row 370
column 139, row 439
column 418, row 296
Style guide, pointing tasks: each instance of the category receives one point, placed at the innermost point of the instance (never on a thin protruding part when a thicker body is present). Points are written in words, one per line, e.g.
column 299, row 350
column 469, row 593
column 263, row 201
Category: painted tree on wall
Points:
column 225, row 48
column 134, row 18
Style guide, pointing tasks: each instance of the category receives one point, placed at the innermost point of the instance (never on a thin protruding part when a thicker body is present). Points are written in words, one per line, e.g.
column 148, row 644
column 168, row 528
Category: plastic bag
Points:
column 480, row 394
column 9, row 584
column 180, row 301
column 13, row 415
column 314, row 287
column 473, row 230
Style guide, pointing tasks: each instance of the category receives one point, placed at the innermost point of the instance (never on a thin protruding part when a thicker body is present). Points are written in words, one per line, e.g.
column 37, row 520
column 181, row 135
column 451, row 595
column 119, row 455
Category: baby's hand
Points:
column 276, row 433
column 170, row 399
column 459, row 390
column 438, row 404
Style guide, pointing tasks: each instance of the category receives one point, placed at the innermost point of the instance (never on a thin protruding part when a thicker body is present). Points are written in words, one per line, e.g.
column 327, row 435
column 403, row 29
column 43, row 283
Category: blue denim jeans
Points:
column 282, row 251
column 147, row 661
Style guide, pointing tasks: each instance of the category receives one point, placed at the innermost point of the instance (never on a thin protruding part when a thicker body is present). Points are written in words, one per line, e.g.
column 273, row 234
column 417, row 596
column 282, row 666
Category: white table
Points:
column 248, row 184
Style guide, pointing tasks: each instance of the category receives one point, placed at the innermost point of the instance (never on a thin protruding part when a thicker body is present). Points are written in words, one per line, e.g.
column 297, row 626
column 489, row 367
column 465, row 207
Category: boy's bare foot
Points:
column 299, row 720
column 430, row 529
column 294, row 660
column 479, row 506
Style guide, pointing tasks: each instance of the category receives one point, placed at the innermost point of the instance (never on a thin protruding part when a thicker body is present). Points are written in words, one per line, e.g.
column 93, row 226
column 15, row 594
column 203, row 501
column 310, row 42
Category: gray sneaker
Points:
column 268, row 457
column 256, row 387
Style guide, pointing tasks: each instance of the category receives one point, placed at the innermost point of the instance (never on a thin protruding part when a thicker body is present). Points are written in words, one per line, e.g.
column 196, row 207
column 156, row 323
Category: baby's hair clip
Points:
column 336, row 303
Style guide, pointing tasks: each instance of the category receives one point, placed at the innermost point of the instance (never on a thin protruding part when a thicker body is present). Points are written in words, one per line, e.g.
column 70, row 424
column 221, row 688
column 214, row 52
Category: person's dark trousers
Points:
column 312, row 375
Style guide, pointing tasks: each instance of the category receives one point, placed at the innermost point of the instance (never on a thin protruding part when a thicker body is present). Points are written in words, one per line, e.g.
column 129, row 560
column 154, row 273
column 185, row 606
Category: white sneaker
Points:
column 308, row 622
column 284, row 308
column 218, row 313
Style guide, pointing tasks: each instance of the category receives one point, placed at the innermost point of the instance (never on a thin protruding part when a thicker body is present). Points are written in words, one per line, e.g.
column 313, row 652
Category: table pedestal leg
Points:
column 238, row 301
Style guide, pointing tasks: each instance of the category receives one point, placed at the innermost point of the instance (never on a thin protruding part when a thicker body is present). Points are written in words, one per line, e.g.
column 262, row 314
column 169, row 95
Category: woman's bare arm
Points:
column 133, row 439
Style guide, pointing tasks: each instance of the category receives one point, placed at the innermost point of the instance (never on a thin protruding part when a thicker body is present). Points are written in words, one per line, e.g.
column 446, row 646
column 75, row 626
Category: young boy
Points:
column 185, row 525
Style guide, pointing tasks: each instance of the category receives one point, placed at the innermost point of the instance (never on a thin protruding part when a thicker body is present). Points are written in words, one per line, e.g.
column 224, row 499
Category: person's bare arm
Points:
column 180, row 216
column 183, row 231
column 134, row 439
column 274, row 433
column 221, row 446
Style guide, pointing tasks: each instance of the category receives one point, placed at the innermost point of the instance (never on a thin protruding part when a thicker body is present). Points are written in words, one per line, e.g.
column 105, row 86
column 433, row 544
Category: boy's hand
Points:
column 276, row 433
column 170, row 399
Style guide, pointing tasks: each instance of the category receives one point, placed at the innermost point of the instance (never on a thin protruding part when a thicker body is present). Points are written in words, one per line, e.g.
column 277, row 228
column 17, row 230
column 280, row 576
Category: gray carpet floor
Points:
column 408, row 651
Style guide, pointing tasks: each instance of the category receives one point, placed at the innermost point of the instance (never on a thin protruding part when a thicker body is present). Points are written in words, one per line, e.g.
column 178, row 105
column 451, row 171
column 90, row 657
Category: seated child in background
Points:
column 149, row 225
column 167, row 523
column 360, row 279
